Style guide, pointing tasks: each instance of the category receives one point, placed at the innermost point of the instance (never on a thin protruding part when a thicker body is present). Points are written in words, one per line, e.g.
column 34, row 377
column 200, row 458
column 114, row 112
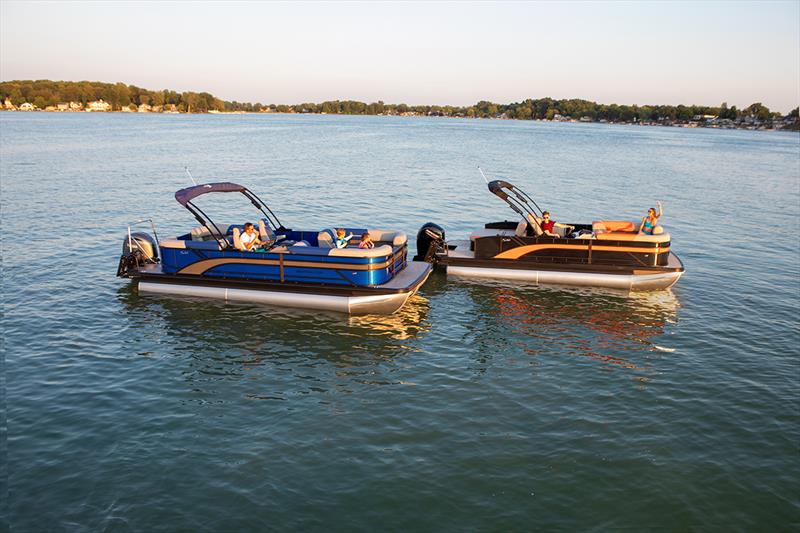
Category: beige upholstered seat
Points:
column 325, row 238
column 397, row 238
column 378, row 251
column 201, row 233
column 635, row 237
column 237, row 240
column 487, row 232
column 265, row 233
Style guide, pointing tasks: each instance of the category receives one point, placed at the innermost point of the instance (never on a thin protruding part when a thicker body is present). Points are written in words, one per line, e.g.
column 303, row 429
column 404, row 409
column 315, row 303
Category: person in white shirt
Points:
column 250, row 238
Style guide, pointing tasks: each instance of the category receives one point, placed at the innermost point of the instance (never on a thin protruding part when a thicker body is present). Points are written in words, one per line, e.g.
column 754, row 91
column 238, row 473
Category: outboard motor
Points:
column 137, row 250
column 430, row 240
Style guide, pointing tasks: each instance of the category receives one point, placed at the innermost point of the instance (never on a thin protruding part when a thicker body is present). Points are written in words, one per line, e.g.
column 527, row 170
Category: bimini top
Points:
column 188, row 194
column 497, row 186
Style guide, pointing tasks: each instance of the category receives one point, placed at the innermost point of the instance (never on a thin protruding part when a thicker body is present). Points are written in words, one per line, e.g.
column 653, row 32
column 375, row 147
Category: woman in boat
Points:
column 650, row 222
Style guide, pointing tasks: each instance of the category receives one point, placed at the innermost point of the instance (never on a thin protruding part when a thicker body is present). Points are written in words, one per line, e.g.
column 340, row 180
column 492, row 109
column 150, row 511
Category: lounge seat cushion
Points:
column 378, row 251
column 201, row 233
column 175, row 243
column 486, row 232
column 397, row 238
column 265, row 233
column 628, row 236
column 614, row 225
column 326, row 238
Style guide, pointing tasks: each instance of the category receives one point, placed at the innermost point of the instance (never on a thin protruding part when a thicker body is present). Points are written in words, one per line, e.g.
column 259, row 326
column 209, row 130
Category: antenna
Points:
column 484, row 175
column 190, row 175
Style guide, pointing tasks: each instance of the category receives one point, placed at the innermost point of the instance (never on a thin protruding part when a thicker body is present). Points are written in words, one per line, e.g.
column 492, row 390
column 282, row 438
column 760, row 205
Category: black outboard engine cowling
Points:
column 429, row 234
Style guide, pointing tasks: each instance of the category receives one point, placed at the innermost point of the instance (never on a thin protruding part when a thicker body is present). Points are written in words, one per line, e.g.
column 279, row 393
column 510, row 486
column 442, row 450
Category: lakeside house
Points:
column 27, row 106
column 98, row 105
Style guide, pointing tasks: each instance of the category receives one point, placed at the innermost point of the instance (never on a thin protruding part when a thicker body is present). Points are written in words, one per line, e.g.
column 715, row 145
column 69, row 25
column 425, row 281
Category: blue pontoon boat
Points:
column 294, row 268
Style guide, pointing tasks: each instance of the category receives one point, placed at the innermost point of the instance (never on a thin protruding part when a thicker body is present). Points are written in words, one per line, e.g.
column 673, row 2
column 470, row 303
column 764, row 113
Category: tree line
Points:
column 43, row 93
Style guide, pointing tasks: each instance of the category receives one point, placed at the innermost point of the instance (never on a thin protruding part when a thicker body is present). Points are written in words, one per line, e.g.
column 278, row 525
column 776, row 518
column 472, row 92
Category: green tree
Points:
column 758, row 110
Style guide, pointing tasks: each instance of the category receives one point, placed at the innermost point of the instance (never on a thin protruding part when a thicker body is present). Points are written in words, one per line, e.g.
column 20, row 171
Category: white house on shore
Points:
column 27, row 106
column 98, row 105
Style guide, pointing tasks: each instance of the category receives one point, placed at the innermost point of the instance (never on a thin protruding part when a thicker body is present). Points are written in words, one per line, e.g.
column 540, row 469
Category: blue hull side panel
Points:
column 358, row 271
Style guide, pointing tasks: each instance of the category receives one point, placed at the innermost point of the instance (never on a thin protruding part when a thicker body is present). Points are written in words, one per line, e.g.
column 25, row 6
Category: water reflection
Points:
column 278, row 349
column 609, row 327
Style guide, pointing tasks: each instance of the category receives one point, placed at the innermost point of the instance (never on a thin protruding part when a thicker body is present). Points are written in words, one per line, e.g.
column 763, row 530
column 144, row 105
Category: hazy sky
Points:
column 417, row 53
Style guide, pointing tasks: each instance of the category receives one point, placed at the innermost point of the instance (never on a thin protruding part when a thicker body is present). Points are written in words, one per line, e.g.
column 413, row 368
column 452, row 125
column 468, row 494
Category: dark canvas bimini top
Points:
column 189, row 193
column 497, row 186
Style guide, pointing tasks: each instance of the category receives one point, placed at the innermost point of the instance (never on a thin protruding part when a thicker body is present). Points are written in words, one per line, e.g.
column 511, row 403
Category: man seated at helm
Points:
column 249, row 238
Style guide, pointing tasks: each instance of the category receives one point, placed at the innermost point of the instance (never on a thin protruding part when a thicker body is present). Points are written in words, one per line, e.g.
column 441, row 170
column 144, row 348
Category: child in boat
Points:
column 341, row 240
column 366, row 241
column 649, row 222
column 249, row 238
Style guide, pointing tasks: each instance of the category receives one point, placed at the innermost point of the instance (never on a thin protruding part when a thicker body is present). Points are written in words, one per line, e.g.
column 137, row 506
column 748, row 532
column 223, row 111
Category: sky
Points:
column 454, row 53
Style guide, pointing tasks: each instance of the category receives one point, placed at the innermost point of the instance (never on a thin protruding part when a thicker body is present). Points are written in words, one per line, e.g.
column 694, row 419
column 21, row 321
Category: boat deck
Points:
column 461, row 250
column 409, row 276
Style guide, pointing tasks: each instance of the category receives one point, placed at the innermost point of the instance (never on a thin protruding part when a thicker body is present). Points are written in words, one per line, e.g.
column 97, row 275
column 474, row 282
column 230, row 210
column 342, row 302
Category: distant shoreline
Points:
column 95, row 96
column 690, row 124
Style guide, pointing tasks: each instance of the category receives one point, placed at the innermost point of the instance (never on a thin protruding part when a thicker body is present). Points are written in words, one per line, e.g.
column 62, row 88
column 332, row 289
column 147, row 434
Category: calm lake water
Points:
column 477, row 407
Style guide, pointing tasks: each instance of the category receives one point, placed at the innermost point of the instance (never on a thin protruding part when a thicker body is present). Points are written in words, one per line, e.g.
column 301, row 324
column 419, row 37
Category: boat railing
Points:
column 142, row 221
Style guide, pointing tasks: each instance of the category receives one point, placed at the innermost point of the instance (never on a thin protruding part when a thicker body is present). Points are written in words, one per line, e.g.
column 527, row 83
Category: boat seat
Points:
column 379, row 251
column 397, row 238
column 181, row 244
column 237, row 240
column 326, row 238
column 489, row 232
column 265, row 233
column 628, row 236
column 599, row 226
column 201, row 233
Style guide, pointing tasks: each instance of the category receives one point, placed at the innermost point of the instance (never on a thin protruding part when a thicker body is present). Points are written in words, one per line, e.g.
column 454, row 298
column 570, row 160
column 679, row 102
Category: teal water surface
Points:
column 479, row 406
